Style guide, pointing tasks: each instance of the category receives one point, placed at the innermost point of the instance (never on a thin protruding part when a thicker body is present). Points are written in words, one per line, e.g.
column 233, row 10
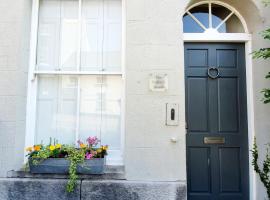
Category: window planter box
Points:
column 61, row 166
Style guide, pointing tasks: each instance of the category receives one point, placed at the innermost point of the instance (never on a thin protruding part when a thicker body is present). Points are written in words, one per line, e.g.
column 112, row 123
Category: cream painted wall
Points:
column 154, row 44
column 14, row 47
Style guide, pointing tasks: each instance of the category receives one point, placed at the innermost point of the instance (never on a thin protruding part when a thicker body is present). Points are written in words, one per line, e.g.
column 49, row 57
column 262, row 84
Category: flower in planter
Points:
column 87, row 150
column 88, row 156
column 52, row 147
column 92, row 141
column 37, row 147
column 81, row 144
column 58, row 146
column 105, row 148
column 29, row 149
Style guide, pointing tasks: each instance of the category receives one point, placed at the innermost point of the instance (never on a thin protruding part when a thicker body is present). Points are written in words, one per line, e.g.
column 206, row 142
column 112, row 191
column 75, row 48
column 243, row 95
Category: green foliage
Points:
column 264, row 172
column 266, row 2
column 75, row 156
column 264, row 53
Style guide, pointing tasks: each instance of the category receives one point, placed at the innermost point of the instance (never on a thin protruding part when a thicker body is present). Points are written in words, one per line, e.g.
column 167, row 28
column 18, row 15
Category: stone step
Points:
column 54, row 189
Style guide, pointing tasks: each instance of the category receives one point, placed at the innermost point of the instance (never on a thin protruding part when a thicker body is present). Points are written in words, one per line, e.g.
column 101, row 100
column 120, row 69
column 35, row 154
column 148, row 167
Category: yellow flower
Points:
column 37, row 147
column 82, row 145
column 99, row 150
column 105, row 148
column 52, row 147
column 29, row 149
column 58, row 146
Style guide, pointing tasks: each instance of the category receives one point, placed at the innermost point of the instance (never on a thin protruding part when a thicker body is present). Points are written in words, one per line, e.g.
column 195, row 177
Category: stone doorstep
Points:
column 112, row 172
column 54, row 189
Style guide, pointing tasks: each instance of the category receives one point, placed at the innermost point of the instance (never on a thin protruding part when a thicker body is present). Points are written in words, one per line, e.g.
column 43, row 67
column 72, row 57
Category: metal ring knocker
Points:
column 216, row 75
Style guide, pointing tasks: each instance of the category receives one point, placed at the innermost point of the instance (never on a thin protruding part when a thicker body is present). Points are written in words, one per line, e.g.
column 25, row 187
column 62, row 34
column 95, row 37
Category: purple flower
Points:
column 88, row 156
column 92, row 141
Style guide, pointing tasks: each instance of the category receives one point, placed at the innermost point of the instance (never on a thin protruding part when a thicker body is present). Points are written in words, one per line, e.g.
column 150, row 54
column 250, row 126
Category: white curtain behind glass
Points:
column 56, row 109
column 90, row 104
column 100, row 35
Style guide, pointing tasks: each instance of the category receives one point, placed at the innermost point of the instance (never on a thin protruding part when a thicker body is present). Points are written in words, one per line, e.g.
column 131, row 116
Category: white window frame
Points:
column 211, row 29
column 32, row 80
column 246, row 38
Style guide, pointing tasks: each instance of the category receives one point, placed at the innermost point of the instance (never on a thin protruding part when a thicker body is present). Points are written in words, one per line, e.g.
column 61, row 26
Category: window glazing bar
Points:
column 196, row 20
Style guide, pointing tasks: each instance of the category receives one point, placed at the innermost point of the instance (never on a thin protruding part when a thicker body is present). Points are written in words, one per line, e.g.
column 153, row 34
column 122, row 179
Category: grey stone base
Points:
column 54, row 189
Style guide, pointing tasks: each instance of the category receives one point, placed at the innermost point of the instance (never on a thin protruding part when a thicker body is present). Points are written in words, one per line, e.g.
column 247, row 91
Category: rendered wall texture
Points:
column 14, row 47
column 153, row 44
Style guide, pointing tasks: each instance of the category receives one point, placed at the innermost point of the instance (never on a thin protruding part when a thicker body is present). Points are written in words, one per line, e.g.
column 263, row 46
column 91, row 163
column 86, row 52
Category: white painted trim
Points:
column 216, row 37
column 123, row 100
column 241, row 18
column 251, row 121
column 77, row 73
column 246, row 38
column 32, row 83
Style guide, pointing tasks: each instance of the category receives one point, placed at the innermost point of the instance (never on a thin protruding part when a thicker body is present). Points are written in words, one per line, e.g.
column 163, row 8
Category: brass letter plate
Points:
column 214, row 140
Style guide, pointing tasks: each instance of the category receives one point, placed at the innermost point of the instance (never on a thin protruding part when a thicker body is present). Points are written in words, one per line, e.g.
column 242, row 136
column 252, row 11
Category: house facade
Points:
column 170, row 86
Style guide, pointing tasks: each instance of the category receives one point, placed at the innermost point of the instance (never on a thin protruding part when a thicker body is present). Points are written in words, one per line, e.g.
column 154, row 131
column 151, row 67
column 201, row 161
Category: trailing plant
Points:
column 76, row 155
column 264, row 172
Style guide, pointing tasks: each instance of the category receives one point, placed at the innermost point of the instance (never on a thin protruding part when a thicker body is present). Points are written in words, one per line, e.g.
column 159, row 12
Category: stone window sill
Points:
column 111, row 173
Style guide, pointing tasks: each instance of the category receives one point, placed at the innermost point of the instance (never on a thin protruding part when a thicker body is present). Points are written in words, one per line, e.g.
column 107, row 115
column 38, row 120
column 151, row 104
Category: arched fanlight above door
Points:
column 213, row 17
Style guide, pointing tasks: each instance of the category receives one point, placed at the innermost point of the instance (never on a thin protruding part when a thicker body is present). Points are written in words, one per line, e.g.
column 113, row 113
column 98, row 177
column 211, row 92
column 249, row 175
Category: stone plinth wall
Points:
column 44, row 189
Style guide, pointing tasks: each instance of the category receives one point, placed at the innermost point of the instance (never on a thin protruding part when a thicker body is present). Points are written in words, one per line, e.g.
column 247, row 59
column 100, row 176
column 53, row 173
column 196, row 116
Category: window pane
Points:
column 56, row 109
column 101, row 35
column 219, row 13
column 100, row 109
column 232, row 25
column 112, row 35
column 90, row 115
column 111, row 112
column 92, row 34
column 201, row 12
column 57, row 35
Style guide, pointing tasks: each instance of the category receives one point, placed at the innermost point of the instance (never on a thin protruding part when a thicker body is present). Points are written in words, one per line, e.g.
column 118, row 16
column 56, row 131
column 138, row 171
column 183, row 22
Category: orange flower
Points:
column 82, row 145
column 37, row 147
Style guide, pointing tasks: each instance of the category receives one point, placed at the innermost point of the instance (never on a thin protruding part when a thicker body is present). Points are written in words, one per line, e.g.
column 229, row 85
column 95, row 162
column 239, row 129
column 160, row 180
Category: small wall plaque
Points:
column 158, row 82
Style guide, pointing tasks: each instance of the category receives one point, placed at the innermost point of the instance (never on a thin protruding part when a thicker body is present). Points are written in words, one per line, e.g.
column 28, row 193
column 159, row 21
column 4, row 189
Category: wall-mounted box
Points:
column 172, row 114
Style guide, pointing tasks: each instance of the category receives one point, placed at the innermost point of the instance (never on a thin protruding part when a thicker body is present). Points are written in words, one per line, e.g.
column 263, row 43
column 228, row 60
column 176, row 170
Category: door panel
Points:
column 217, row 144
column 198, row 101
column 228, row 105
column 229, row 167
column 199, row 169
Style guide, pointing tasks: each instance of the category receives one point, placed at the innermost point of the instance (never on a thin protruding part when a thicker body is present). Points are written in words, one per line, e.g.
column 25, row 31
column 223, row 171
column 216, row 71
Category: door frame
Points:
column 247, row 40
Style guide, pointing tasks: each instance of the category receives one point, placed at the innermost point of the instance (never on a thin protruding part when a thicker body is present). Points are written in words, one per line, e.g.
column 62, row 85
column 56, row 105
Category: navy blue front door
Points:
column 216, row 114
